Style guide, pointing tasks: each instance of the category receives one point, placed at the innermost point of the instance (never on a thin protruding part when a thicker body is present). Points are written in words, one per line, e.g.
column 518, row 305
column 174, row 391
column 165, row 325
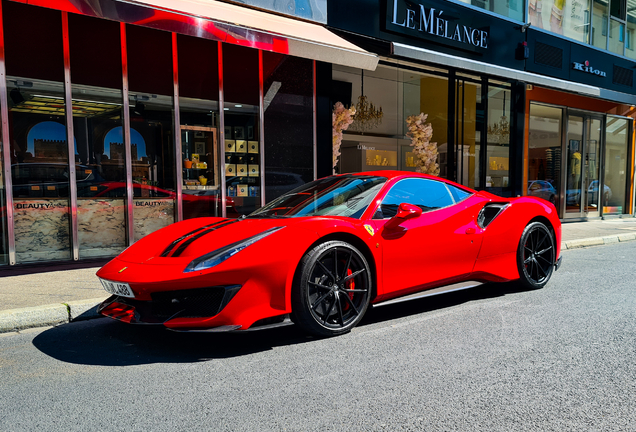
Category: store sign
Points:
column 439, row 22
column 363, row 147
column 585, row 67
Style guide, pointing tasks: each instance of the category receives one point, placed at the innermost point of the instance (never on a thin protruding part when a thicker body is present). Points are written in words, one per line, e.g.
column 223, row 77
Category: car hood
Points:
column 196, row 237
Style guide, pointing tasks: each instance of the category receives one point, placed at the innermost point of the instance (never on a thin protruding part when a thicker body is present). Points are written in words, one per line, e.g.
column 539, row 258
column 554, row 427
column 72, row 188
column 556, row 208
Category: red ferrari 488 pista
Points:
column 322, row 253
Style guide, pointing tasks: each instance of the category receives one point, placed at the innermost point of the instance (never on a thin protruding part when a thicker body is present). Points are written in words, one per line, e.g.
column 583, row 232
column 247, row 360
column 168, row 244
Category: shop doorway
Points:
column 582, row 161
column 469, row 117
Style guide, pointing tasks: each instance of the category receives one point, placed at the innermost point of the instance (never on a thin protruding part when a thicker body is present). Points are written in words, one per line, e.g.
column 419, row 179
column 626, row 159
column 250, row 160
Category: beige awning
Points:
column 243, row 26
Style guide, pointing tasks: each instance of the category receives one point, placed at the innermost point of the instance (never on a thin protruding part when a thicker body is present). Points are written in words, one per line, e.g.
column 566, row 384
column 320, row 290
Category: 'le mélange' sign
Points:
column 421, row 19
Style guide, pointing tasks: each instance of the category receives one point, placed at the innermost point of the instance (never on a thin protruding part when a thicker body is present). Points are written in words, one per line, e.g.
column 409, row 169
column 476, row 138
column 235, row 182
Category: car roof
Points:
column 394, row 174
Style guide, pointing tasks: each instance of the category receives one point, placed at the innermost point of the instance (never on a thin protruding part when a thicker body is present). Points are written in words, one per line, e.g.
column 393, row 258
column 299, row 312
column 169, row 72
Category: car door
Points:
column 439, row 245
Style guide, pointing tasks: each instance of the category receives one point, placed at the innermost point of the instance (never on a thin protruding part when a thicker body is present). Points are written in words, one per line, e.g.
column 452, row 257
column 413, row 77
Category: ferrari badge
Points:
column 370, row 229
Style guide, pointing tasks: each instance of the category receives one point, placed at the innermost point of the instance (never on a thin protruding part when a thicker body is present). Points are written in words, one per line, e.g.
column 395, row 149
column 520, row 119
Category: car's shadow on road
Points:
column 109, row 343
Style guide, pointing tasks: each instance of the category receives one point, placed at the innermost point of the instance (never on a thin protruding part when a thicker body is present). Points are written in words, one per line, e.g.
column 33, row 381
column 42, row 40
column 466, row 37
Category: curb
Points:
column 13, row 320
column 596, row 241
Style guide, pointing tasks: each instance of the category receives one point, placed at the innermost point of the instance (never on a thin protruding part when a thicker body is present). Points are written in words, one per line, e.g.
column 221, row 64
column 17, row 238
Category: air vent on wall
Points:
column 548, row 55
column 623, row 76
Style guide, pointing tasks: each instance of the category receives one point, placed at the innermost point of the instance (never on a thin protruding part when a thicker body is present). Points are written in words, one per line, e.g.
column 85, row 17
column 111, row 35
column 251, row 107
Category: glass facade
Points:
column 544, row 152
column 606, row 24
column 579, row 154
column 615, row 183
column 470, row 116
column 511, row 8
column 155, row 132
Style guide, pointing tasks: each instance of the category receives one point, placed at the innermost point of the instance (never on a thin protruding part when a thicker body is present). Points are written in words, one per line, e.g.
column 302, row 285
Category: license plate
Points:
column 118, row 288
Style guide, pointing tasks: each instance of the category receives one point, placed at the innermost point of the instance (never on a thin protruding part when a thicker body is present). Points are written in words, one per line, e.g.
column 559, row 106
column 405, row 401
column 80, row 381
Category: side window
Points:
column 458, row 194
column 424, row 193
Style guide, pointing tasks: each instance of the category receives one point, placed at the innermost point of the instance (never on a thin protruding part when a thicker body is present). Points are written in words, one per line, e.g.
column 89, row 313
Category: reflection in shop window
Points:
column 150, row 74
column 544, row 152
column 614, row 190
column 630, row 34
column 511, row 8
column 498, row 138
column 571, row 20
column 39, row 169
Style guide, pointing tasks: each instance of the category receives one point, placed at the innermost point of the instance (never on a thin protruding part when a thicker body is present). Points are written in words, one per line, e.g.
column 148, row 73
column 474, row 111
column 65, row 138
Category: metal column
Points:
column 222, row 133
column 127, row 145
column 261, row 124
column 6, row 149
column 68, row 103
column 177, row 130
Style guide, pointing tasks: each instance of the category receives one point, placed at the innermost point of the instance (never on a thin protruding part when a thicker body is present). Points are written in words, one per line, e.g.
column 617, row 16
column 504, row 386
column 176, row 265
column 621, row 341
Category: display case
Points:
column 242, row 163
column 498, row 170
column 200, row 158
column 358, row 157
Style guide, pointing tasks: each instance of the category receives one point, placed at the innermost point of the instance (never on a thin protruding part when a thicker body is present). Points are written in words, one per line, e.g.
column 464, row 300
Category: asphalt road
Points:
column 490, row 359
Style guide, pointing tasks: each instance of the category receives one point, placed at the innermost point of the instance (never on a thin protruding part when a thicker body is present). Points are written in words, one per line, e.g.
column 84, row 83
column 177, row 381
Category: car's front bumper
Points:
column 198, row 303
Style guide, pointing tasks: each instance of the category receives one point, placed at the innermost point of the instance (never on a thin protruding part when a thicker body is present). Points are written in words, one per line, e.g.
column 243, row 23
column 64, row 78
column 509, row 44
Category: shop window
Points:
column 617, row 37
column 242, row 130
column 512, row 8
column 199, row 114
column 426, row 94
column 34, row 54
column 289, row 146
column 572, row 20
column 39, row 171
column 614, row 192
column 630, row 33
column 469, row 126
column 544, row 152
column 100, row 154
column 151, row 116
column 37, row 124
column 599, row 24
column 498, row 138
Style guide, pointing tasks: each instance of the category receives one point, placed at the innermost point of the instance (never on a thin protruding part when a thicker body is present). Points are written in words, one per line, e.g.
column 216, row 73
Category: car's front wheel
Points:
column 535, row 256
column 333, row 289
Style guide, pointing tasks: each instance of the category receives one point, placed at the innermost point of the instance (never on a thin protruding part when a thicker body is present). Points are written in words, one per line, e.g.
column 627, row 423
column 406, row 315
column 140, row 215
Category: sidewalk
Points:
column 41, row 297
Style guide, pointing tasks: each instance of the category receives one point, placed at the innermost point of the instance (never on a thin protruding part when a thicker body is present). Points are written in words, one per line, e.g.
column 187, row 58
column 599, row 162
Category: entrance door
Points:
column 582, row 161
column 469, row 117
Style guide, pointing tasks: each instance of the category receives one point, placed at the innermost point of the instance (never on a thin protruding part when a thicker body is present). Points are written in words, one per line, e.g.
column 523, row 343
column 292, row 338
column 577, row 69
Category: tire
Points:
column 535, row 256
column 332, row 290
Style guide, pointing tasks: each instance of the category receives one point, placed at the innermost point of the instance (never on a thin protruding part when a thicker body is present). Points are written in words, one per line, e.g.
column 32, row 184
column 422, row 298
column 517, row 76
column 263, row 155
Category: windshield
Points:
column 332, row 196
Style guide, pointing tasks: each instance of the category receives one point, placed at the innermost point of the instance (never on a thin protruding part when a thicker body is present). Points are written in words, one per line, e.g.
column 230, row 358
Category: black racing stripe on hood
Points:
column 174, row 244
column 194, row 238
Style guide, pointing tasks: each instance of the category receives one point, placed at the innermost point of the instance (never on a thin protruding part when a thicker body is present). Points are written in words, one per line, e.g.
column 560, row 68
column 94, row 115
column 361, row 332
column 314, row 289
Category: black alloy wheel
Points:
column 333, row 289
column 536, row 256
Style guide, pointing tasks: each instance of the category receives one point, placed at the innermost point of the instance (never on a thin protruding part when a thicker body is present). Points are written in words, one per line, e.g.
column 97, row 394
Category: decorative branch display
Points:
column 420, row 133
column 341, row 118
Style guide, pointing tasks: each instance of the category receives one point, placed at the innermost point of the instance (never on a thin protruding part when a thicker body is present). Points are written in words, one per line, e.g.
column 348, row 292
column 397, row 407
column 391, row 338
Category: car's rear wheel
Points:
column 333, row 288
column 535, row 256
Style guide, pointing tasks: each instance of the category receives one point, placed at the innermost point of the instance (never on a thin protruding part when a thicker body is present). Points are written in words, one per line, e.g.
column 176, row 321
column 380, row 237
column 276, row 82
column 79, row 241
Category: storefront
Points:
column 119, row 118
column 514, row 109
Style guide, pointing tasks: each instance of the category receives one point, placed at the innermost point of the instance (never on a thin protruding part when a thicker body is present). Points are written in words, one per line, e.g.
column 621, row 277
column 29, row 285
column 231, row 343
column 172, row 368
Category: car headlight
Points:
column 216, row 257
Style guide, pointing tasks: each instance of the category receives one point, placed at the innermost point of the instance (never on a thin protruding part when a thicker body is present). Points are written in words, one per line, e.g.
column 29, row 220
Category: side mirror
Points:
column 404, row 213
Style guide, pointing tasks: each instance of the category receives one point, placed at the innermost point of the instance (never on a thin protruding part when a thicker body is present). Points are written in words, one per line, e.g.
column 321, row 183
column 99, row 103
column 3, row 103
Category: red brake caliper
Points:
column 350, row 283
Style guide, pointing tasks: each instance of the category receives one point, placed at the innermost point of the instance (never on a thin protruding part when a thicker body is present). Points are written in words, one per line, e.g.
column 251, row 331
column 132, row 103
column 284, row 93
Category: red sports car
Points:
column 322, row 253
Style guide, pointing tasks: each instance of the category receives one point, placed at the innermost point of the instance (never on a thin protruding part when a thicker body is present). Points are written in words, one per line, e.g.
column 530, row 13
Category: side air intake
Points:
column 489, row 213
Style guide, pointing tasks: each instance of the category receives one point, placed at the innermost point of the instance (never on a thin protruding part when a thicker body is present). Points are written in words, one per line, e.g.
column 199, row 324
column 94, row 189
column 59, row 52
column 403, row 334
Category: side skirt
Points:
column 430, row 292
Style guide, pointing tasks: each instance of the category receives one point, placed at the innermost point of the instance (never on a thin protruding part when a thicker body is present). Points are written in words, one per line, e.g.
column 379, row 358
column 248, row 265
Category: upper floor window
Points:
column 511, row 8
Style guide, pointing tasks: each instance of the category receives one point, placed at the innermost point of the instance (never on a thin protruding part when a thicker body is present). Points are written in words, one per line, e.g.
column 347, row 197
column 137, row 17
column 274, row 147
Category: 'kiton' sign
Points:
column 585, row 67
column 416, row 19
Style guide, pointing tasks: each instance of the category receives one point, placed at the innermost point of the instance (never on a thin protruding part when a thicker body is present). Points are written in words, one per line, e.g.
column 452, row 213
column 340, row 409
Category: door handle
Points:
column 470, row 230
